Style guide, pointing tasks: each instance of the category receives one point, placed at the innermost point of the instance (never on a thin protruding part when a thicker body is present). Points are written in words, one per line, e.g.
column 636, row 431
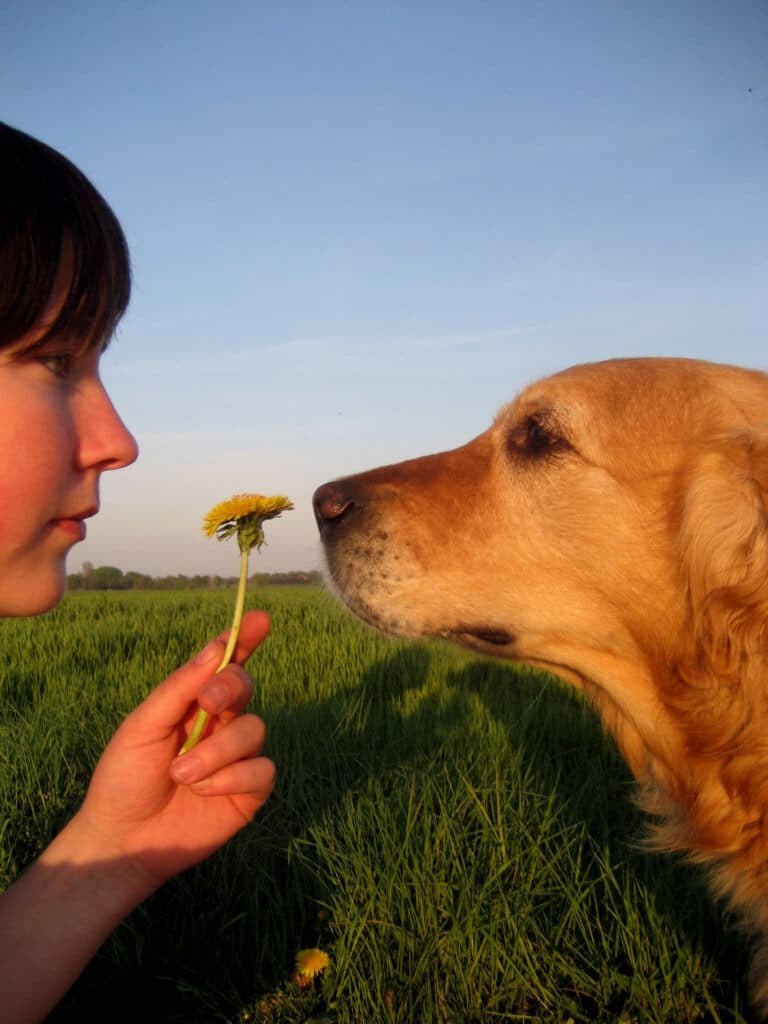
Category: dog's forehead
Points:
column 647, row 409
column 610, row 392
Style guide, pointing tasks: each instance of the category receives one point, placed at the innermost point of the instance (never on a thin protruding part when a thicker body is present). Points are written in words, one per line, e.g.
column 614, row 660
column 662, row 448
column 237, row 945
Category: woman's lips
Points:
column 74, row 528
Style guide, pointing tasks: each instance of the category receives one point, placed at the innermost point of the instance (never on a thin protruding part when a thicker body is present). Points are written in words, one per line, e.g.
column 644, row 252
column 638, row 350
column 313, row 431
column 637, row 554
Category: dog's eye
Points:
column 535, row 437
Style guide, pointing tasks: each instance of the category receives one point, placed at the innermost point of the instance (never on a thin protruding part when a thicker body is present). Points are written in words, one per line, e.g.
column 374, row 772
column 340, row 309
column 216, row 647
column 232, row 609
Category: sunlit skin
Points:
column 58, row 433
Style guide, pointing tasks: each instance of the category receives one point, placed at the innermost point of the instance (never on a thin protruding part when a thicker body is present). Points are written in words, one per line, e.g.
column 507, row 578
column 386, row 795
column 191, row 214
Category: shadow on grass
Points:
column 588, row 775
column 215, row 938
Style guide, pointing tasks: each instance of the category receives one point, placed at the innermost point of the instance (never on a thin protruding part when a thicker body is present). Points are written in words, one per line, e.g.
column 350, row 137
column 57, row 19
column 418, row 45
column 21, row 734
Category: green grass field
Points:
column 457, row 834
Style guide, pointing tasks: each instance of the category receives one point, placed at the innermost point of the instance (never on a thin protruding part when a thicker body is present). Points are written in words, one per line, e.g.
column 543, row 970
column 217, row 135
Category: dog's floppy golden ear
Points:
column 722, row 704
column 724, row 533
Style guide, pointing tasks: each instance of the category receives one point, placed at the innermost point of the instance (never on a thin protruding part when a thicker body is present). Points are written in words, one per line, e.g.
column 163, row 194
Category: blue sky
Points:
column 358, row 229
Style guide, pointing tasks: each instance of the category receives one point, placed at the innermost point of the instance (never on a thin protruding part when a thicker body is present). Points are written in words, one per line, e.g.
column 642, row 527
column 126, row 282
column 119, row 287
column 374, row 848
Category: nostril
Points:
column 330, row 503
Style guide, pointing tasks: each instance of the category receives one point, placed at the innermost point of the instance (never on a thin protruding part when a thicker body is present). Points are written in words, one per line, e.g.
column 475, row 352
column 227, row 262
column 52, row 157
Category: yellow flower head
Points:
column 310, row 962
column 244, row 514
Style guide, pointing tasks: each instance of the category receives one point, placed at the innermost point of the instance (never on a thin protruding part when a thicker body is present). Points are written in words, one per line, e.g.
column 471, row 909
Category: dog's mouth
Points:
column 467, row 634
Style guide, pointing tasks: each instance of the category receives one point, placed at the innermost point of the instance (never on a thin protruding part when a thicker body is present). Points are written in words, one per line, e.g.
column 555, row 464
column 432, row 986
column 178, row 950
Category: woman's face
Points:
column 58, row 433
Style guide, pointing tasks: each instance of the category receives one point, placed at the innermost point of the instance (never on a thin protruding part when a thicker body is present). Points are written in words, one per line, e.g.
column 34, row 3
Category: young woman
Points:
column 148, row 814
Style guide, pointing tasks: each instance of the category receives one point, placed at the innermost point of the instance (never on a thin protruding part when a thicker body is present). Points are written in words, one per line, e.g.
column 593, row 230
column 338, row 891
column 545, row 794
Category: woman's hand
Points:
column 159, row 813
column 144, row 819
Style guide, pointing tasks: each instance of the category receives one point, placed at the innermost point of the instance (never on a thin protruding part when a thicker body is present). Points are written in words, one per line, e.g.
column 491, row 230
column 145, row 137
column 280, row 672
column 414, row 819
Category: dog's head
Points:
column 560, row 535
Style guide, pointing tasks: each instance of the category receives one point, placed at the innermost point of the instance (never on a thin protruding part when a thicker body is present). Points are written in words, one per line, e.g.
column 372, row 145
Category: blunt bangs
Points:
column 46, row 203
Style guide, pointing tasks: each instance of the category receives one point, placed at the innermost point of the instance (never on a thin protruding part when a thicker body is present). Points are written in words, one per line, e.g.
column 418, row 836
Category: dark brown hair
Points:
column 45, row 203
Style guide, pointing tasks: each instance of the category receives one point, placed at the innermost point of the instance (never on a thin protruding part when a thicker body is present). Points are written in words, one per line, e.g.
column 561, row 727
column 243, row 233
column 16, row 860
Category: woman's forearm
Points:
column 55, row 918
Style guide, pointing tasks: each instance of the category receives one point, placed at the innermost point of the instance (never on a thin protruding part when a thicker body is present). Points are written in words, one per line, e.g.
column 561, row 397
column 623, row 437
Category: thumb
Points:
column 161, row 712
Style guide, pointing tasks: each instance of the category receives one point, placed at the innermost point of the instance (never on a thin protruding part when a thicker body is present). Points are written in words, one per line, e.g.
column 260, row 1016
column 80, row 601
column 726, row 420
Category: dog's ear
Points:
column 724, row 536
column 721, row 700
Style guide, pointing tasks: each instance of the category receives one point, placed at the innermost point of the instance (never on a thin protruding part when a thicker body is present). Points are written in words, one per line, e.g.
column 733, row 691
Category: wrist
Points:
column 115, row 881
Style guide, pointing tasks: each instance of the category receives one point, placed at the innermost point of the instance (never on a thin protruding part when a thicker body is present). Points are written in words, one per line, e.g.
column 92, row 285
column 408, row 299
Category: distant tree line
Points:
column 109, row 577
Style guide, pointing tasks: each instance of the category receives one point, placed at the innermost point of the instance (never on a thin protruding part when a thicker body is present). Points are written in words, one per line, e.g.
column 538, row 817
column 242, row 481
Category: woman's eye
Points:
column 60, row 364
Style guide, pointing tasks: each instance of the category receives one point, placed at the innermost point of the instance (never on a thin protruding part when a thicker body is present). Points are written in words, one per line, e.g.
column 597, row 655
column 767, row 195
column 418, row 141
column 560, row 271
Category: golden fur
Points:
column 612, row 527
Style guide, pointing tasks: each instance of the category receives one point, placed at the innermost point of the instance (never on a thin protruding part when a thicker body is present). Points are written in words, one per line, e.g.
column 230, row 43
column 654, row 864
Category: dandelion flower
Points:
column 311, row 962
column 243, row 515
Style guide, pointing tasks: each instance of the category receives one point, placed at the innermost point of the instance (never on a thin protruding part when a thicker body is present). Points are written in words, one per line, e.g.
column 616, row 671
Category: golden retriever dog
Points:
column 611, row 527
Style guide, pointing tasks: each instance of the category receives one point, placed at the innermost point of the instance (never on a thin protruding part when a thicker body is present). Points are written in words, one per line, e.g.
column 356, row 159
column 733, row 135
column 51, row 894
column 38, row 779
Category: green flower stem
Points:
column 202, row 716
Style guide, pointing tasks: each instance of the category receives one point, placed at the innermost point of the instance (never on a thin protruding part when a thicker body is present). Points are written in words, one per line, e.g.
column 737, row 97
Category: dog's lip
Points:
column 496, row 636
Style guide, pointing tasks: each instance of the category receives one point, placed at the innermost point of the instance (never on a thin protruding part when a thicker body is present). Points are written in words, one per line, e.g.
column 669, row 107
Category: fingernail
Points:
column 186, row 768
column 207, row 654
column 216, row 697
column 202, row 786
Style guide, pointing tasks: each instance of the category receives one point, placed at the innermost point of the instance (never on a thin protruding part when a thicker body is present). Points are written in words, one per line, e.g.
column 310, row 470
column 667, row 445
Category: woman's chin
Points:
column 33, row 597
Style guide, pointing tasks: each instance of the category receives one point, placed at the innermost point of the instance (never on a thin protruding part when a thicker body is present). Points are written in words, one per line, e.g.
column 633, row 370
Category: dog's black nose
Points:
column 331, row 503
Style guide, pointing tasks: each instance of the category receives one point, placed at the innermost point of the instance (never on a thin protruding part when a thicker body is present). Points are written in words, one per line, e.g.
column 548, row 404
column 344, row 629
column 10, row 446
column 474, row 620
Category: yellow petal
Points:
column 241, row 505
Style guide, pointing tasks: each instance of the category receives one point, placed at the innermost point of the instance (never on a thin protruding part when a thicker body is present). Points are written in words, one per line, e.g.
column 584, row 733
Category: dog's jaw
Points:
column 384, row 592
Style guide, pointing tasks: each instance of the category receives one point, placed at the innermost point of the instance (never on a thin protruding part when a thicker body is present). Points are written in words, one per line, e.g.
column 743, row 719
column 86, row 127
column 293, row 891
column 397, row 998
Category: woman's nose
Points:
column 105, row 441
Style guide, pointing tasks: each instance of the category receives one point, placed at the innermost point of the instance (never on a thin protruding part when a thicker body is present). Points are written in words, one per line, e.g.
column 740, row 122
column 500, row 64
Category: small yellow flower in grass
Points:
column 244, row 515
column 311, row 962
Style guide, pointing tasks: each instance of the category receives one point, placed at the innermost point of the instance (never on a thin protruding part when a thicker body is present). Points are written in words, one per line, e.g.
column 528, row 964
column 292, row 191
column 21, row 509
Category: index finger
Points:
column 169, row 702
column 253, row 630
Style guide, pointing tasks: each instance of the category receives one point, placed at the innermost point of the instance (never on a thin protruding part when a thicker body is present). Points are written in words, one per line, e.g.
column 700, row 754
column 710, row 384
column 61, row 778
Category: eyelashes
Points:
column 538, row 436
column 60, row 364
